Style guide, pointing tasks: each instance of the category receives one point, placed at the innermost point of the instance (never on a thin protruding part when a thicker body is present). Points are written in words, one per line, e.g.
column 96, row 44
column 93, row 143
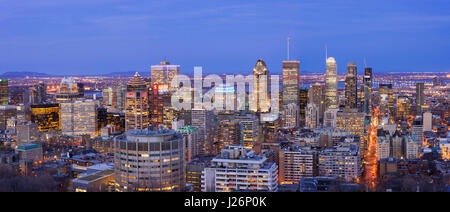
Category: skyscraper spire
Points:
column 326, row 52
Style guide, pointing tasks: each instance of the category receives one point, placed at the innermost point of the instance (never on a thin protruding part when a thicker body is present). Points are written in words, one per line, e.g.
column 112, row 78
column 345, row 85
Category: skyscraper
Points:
column 291, row 83
column 303, row 101
column 137, row 105
column 261, row 102
column 386, row 101
column 4, row 92
column 351, row 91
column 331, row 84
column 163, row 74
column 316, row 95
column 420, row 87
column 79, row 118
column 403, row 108
column 366, row 91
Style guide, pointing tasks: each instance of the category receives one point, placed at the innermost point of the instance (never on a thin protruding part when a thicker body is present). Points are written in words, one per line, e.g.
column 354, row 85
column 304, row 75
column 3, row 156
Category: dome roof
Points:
column 331, row 60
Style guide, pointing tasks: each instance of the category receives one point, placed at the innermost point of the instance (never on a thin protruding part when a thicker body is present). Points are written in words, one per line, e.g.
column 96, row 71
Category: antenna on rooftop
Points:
column 288, row 46
column 326, row 52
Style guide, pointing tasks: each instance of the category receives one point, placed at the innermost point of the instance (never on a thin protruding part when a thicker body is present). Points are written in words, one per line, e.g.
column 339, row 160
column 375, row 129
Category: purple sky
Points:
column 103, row 36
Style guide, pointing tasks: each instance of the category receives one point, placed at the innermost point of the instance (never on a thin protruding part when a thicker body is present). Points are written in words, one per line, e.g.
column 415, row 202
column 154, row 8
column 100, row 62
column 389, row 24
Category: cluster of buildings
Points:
column 129, row 137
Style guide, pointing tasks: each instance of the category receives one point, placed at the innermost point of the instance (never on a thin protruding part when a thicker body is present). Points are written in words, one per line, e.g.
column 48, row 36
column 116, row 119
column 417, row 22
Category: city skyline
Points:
column 104, row 36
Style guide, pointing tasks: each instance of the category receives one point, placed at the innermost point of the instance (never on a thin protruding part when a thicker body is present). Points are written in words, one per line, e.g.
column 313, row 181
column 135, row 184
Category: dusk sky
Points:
column 223, row 36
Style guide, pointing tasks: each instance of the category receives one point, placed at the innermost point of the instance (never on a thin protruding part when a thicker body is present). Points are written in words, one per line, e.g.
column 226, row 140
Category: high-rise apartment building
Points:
column 341, row 161
column 294, row 164
column 239, row 169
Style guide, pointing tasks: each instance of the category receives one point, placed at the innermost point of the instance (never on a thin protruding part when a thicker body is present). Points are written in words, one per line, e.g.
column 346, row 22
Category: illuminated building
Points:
column 239, row 169
column 352, row 121
column 403, row 108
column 331, row 86
column 194, row 175
column 269, row 125
column 386, row 100
column 412, row 148
column 302, row 104
column 163, row 74
column 316, row 95
column 294, row 164
column 366, row 91
column 137, row 106
column 6, row 112
column 228, row 133
column 250, row 128
column 417, row 130
column 149, row 160
column 117, row 120
column 205, row 122
column 27, row 132
column 397, row 145
column 427, row 121
column 79, row 118
column 351, row 89
column 162, row 112
column 69, row 90
column 383, row 144
column 97, row 178
column 46, row 116
column 437, row 81
column 341, row 161
column 291, row 83
column 329, row 118
column 4, row 92
column 190, row 135
column 260, row 88
column 37, row 94
column 109, row 96
column 312, row 116
column 420, row 97
column 121, row 97
column 290, row 116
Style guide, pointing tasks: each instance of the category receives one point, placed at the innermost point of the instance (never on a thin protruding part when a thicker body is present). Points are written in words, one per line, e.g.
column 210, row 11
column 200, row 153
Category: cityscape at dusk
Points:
column 242, row 98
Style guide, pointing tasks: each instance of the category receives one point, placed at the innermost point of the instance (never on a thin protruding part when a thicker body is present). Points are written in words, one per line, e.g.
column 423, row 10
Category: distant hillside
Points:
column 21, row 74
